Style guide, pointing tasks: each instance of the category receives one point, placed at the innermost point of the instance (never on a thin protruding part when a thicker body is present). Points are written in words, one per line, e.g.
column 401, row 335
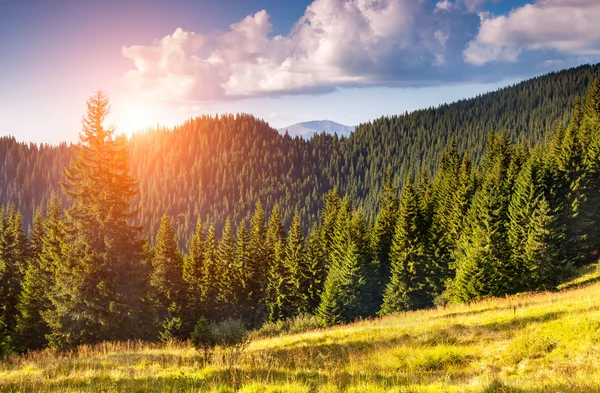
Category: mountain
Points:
column 308, row 128
column 218, row 167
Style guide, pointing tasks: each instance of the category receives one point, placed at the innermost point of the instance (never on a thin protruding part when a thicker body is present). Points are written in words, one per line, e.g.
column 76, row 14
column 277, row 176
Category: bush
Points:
column 203, row 337
column 171, row 330
column 299, row 324
column 231, row 333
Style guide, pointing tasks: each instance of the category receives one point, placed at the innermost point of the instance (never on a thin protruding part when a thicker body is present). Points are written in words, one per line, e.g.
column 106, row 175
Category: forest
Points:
column 217, row 167
column 518, row 216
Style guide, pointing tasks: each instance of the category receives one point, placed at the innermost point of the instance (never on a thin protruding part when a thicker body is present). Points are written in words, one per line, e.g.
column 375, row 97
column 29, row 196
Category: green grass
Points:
column 548, row 342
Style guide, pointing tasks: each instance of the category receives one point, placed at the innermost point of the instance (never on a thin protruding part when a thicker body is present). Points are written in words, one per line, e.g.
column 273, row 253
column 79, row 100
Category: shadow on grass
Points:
column 233, row 379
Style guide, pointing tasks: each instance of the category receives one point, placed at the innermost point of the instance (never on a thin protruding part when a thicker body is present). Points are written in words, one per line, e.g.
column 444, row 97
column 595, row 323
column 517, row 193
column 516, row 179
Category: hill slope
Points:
column 308, row 128
column 544, row 342
column 218, row 167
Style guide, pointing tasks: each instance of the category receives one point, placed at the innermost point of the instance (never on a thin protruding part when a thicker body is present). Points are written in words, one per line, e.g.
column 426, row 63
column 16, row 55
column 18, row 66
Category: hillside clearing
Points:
column 529, row 343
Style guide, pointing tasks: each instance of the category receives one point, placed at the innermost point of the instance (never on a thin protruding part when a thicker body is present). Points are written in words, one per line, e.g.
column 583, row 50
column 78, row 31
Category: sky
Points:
column 288, row 61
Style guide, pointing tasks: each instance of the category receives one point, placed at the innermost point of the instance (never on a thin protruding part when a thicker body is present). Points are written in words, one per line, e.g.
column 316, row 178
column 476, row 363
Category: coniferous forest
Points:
column 223, row 218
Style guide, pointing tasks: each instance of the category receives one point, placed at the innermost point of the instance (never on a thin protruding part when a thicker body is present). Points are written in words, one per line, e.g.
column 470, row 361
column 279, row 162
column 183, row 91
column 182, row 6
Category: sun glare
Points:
column 135, row 117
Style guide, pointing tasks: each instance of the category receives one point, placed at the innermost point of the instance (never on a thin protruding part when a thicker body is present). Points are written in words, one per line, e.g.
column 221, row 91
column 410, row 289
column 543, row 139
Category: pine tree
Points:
column 256, row 266
column 328, row 220
column 383, row 230
column 240, row 272
column 193, row 274
column 228, row 280
column 13, row 259
column 407, row 289
column 212, row 276
column 101, row 282
column 315, row 259
column 484, row 263
column 347, row 290
column 280, row 289
column 166, row 281
column 544, row 268
column 31, row 329
column 296, row 262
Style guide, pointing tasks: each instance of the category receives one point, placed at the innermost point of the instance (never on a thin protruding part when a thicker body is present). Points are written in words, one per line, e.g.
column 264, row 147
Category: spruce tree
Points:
column 13, row 259
column 316, row 264
column 101, row 283
column 240, row 273
column 280, row 290
column 166, row 281
column 212, row 276
column 383, row 230
column 544, row 269
column 31, row 329
column 257, row 266
column 407, row 289
column 348, row 289
column 193, row 274
column 228, row 279
column 296, row 262
column 484, row 263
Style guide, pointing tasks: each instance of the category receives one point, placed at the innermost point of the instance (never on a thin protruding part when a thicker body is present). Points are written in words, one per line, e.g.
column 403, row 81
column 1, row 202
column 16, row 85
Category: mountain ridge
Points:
column 307, row 129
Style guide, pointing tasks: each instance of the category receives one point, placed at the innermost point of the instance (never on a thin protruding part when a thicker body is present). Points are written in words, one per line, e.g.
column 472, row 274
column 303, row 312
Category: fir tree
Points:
column 316, row 264
column 383, row 230
column 544, row 269
column 212, row 276
column 347, row 289
column 256, row 267
column 407, row 288
column 101, row 282
column 166, row 281
column 31, row 329
column 228, row 279
column 193, row 274
column 13, row 259
column 295, row 260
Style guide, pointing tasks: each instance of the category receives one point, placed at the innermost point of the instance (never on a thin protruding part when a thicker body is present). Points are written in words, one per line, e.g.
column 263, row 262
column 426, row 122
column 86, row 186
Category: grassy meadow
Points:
column 548, row 342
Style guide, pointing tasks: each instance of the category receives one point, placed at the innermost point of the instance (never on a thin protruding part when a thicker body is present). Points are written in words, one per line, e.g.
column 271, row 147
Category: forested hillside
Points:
column 215, row 168
column 520, row 219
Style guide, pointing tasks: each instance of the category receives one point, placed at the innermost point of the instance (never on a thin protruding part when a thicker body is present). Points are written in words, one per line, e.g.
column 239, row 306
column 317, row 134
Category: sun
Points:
column 135, row 117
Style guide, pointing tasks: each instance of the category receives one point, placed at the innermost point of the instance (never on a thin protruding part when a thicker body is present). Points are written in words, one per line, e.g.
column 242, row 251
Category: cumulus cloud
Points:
column 565, row 26
column 335, row 43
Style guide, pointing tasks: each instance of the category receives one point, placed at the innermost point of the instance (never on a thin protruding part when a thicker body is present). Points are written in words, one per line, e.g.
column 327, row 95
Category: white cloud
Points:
column 567, row 26
column 335, row 43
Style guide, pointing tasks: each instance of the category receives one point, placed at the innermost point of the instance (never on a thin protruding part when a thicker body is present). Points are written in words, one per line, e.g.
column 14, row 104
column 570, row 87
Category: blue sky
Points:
column 284, row 61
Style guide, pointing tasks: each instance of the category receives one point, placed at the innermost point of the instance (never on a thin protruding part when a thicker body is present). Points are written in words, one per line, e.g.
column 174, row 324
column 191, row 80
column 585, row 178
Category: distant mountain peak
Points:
column 307, row 129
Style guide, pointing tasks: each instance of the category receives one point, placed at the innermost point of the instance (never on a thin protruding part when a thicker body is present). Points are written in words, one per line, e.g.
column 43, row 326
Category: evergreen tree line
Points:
column 520, row 220
column 216, row 167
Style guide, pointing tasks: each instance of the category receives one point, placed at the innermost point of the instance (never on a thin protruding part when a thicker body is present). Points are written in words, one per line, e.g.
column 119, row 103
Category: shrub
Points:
column 299, row 324
column 203, row 337
column 171, row 330
column 231, row 333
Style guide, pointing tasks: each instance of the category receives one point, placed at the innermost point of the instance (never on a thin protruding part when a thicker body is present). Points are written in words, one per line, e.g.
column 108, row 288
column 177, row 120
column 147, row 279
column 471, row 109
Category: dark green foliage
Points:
column 348, row 289
column 516, row 221
column 484, row 263
column 383, row 230
column 256, row 266
column 31, row 329
column 99, row 293
column 13, row 262
column 407, row 288
column 315, row 259
column 203, row 337
column 166, row 281
column 193, row 273
column 297, row 263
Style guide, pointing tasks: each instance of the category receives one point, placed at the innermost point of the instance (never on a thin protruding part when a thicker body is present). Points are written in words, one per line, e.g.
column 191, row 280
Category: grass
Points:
column 547, row 342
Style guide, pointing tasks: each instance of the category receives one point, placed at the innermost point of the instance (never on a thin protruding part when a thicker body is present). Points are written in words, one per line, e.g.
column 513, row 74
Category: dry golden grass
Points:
column 548, row 342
